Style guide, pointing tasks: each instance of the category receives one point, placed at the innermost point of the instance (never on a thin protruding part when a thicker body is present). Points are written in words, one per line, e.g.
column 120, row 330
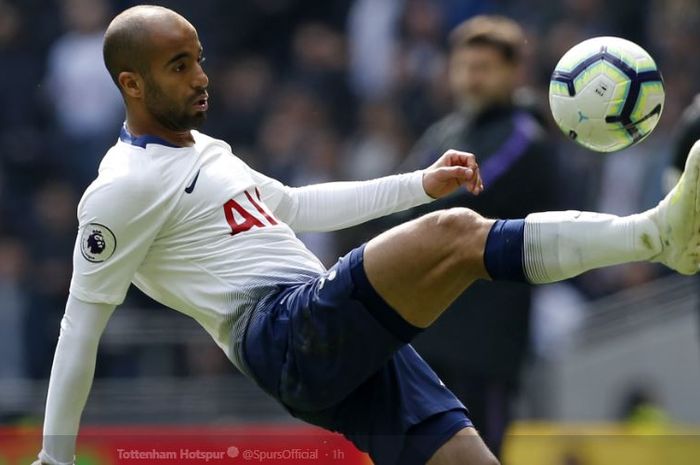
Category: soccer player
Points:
column 176, row 213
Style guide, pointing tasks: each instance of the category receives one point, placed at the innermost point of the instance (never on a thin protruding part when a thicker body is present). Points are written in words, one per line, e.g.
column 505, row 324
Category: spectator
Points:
column 244, row 90
column 13, row 265
column 51, row 235
column 319, row 67
column 372, row 31
column 421, row 64
column 379, row 143
column 87, row 107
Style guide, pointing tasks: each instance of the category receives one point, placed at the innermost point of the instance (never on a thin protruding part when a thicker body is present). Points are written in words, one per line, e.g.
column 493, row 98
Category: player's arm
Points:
column 71, row 378
column 337, row 205
column 119, row 217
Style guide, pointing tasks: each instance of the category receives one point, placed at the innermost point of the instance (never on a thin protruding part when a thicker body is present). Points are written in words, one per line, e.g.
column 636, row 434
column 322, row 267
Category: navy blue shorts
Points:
column 334, row 354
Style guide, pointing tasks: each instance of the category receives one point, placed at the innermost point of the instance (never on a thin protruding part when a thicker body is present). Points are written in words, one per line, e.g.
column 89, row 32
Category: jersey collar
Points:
column 141, row 141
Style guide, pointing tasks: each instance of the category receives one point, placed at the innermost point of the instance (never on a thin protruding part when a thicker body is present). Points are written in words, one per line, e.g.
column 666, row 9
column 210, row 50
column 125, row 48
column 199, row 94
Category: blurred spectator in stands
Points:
column 674, row 27
column 18, row 83
column 687, row 133
column 372, row 30
column 242, row 94
column 295, row 114
column 641, row 409
column 379, row 144
column 478, row 345
column 86, row 103
column 319, row 66
column 22, row 147
column 421, row 65
column 51, row 238
column 13, row 267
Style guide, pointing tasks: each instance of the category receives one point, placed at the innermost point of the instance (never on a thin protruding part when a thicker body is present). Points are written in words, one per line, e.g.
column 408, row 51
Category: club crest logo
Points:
column 97, row 243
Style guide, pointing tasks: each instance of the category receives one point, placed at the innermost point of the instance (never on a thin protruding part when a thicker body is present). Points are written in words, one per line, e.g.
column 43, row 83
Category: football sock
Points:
column 552, row 246
column 503, row 254
column 560, row 245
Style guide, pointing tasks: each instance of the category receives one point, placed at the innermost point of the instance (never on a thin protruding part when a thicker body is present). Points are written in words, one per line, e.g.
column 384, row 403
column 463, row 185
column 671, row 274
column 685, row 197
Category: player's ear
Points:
column 131, row 84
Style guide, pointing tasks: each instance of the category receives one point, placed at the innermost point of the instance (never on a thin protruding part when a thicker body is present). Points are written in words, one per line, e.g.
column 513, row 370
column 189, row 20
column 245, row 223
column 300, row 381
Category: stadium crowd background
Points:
column 305, row 91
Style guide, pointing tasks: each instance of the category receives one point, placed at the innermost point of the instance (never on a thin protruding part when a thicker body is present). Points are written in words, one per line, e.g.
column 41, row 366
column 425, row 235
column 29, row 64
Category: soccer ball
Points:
column 606, row 94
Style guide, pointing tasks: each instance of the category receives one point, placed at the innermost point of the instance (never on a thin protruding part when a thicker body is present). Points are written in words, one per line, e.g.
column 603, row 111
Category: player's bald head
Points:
column 132, row 38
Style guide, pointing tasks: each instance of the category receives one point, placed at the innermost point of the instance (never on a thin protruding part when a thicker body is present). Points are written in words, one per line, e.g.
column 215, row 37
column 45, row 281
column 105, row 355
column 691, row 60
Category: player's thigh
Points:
column 464, row 448
column 421, row 266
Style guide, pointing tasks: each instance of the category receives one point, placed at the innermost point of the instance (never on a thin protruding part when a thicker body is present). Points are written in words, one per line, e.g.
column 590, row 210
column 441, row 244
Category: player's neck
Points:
column 138, row 127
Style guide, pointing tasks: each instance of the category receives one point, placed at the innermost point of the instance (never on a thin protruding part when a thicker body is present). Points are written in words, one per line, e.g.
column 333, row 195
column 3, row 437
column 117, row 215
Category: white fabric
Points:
column 138, row 224
column 71, row 377
column 561, row 245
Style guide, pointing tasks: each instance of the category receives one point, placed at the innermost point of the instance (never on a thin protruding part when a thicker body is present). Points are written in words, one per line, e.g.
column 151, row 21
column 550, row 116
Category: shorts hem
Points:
column 425, row 438
column 384, row 313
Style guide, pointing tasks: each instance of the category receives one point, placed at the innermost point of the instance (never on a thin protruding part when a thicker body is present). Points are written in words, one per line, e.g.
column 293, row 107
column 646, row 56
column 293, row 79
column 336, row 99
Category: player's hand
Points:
column 452, row 170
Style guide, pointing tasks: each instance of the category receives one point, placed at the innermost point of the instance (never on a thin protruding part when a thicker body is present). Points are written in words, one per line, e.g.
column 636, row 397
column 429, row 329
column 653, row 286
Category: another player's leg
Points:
column 421, row 266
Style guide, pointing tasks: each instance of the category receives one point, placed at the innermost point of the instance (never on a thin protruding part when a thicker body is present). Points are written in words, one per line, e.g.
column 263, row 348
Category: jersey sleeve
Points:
column 337, row 205
column 118, row 221
column 71, row 377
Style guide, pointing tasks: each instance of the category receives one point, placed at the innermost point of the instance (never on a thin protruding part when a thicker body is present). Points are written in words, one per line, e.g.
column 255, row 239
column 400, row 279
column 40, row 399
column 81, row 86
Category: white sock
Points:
column 560, row 245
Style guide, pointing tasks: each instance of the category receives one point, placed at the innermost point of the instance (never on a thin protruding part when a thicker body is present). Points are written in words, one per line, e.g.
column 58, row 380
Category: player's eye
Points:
column 179, row 67
column 201, row 59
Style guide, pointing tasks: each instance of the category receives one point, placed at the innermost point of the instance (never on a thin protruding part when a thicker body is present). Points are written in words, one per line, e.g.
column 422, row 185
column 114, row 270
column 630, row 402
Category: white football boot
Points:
column 678, row 218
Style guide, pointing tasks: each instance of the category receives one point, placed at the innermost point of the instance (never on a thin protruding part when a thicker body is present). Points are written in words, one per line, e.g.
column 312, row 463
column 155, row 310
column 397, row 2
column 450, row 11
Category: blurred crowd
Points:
column 305, row 91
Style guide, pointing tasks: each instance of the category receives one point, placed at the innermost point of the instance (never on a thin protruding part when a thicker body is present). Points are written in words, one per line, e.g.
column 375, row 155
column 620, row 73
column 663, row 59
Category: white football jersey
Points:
column 192, row 227
column 199, row 231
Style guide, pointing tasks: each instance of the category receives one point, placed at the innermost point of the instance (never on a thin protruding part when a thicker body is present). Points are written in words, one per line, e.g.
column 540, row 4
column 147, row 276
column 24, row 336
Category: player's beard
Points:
column 169, row 113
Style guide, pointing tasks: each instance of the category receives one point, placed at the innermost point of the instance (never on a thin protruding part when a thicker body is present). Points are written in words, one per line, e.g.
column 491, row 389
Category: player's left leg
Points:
column 464, row 448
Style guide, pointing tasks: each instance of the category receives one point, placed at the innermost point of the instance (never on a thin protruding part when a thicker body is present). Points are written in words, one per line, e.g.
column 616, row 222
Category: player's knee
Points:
column 456, row 222
column 456, row 228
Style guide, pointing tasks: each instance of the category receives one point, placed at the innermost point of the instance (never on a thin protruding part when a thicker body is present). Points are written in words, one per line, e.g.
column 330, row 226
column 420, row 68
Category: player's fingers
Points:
column 461, row 174
column 475, row 184
column 457, row 157
column 470, row 179
column 478, row 184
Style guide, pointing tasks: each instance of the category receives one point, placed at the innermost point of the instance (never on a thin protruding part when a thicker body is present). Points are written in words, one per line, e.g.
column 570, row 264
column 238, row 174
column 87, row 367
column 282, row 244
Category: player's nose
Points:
column 201, row 80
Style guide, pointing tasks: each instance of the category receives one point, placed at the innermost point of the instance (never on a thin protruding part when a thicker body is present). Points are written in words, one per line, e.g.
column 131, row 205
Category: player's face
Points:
column 480, row 76
column 175, row 91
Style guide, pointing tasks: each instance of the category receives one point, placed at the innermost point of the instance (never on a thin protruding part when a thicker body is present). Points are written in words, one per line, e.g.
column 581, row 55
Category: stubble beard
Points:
column 168, row 113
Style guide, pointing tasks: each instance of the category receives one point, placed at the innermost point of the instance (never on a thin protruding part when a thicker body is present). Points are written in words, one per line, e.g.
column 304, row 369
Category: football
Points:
column 606, row 94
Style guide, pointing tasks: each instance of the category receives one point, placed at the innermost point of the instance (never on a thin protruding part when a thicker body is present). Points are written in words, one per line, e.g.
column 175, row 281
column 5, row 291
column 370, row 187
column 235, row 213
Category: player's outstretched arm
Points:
column 337, row 205
column 71, row 378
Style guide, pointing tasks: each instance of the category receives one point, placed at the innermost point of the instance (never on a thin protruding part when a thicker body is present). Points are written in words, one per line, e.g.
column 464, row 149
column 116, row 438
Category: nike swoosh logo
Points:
column 190, row 188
